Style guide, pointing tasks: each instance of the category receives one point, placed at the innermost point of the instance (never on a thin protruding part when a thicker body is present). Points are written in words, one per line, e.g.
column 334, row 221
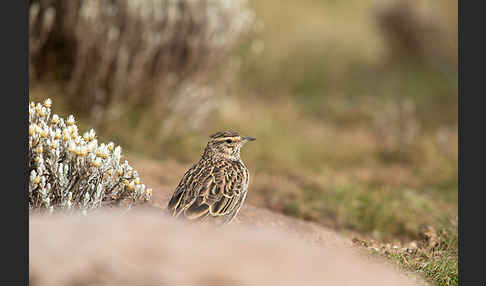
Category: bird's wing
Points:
column 217, row 193
column 179, row 197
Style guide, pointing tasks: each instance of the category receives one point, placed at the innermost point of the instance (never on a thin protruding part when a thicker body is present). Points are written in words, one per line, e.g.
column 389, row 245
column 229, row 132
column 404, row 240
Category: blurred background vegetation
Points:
column 353, row 103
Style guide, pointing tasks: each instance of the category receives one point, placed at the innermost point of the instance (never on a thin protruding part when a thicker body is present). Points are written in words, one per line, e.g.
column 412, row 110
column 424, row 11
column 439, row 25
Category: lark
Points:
column 215, row 187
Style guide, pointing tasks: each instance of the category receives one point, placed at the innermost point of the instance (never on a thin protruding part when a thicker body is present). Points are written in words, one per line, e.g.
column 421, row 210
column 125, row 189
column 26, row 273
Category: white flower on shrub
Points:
column 67, row 170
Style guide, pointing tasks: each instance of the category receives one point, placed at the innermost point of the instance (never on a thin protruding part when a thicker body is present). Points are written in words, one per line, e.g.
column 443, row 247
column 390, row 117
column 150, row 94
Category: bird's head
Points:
column 227, row 144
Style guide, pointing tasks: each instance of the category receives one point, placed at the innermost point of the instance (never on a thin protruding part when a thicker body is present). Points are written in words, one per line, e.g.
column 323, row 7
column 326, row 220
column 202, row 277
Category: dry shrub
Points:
column 68, row 171
column 415, row 30
column 127, row 55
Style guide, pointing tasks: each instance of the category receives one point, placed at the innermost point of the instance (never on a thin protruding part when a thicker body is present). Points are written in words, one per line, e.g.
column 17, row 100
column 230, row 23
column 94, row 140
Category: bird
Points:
column 214, row 189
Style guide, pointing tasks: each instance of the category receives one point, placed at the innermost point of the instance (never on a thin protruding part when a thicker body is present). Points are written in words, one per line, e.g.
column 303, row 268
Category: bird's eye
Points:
column 229, row 141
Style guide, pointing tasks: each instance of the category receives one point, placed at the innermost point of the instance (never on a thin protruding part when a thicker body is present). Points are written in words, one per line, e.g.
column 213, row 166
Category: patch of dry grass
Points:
column 434, row 255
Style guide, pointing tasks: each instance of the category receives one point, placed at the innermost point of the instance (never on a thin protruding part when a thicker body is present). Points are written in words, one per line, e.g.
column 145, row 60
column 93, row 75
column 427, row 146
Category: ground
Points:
column 261, row 247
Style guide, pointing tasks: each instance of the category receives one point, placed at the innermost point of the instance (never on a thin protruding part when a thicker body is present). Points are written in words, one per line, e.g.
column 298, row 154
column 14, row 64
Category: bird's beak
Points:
column 246, row 139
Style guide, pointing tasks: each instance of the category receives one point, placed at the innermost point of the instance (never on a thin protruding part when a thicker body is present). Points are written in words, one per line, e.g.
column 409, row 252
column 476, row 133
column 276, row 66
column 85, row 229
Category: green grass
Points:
column 438, row 265
column 434, row 256
column 383, row 213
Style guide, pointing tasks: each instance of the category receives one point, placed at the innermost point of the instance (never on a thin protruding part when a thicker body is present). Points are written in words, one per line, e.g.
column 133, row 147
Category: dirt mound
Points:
column 144, row 247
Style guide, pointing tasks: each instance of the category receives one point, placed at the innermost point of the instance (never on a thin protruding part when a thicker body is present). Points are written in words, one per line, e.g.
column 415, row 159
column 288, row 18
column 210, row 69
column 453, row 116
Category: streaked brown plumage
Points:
column 216, row 186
